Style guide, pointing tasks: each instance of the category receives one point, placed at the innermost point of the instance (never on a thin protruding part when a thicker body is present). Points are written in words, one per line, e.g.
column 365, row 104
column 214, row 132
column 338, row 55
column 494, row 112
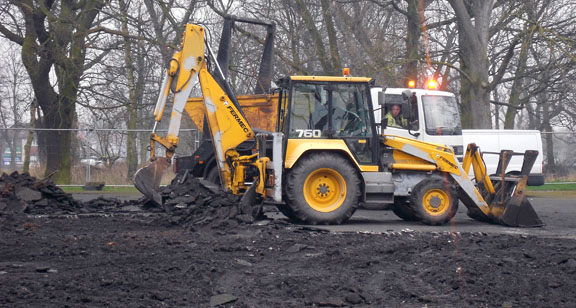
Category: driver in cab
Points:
column 395, row 118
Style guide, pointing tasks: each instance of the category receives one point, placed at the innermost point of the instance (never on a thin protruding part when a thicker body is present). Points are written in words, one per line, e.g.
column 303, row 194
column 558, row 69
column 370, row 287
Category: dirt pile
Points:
column 193, row 202
column 188, row 201
column 23, row 193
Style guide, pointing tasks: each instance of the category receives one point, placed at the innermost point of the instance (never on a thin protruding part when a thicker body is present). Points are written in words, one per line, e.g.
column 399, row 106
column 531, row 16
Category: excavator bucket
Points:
column 508, row 202
column 147, row 179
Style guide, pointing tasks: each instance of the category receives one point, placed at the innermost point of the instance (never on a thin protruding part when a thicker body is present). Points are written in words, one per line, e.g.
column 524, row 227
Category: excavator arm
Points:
column 227, row 124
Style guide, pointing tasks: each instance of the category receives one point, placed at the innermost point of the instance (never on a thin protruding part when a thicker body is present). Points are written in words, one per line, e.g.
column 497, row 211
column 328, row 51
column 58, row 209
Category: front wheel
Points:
column 434, row 200
column 323, row 188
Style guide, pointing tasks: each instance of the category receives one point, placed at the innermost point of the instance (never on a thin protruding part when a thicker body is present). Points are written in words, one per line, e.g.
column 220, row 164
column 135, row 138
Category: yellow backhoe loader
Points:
column 324, row 156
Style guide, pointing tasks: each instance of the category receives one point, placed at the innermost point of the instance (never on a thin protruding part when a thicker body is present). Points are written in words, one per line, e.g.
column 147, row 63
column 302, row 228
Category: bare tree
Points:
column 53, row 37
column 16, row 99
column 473, row 19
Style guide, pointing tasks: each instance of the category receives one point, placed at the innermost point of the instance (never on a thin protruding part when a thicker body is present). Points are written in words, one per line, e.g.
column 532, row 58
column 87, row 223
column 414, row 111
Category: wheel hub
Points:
column 436, row 202
column 325, row 190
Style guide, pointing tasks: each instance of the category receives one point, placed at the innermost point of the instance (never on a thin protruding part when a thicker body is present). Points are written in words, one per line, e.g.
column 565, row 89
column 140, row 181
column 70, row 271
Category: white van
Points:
column 492, row 140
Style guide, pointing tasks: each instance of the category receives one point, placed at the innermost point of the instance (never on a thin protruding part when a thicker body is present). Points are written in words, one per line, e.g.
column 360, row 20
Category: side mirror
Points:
column 406, row 104
column 381, row 98
column 406, row 94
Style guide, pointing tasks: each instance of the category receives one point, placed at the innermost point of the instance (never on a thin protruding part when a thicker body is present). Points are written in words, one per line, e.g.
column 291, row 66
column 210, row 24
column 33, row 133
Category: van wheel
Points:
column 403, row 210
column 323, row 188
column 434, row 200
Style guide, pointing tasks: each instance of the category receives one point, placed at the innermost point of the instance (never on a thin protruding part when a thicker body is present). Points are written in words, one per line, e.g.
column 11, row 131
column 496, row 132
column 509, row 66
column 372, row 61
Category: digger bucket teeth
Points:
column 147, row 179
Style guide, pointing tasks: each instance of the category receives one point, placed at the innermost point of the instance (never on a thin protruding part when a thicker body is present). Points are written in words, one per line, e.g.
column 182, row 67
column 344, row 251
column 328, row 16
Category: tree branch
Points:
column 11, row 36
column 507, row 105
column 504, row 65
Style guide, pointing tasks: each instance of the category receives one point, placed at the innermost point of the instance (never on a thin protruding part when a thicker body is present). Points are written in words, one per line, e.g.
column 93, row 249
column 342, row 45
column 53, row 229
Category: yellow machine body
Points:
column 323, row 174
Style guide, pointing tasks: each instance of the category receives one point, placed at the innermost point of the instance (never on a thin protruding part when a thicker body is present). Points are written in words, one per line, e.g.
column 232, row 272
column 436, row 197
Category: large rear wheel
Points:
column 323, row 188
column 434, row 200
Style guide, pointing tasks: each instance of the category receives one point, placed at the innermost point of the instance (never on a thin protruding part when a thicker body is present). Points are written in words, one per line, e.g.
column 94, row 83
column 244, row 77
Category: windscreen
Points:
column 322, row 110
column 441, row 115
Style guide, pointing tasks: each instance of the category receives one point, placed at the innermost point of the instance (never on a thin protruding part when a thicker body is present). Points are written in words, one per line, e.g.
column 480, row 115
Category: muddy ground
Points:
column 128, row 255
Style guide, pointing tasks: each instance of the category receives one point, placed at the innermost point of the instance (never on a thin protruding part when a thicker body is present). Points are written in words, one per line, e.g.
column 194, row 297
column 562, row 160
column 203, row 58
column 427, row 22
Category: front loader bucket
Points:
column 518, row 212
column 504, row 194
column 147, row 179
column 510, row 206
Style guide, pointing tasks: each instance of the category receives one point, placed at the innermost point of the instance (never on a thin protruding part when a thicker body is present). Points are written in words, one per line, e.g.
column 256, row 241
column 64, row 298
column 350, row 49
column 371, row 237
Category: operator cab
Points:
column 328, row 108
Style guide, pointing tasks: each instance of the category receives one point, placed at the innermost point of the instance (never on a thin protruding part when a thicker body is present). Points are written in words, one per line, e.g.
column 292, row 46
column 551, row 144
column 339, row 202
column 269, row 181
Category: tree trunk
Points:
column 548, row 136
column 132, row 114
column 518, row 85
column 473, row 41
column 144, row 144
column 13, row 143
column 57, row 141
column 2, row 149
column 475, row 102
column 413, row 35
column 29, row 139
column 533, row 116
column 311, row 26
column 333, row 41
column 496, row 110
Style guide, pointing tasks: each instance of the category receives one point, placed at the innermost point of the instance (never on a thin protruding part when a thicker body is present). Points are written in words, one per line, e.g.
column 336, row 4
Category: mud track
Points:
column 117, row 254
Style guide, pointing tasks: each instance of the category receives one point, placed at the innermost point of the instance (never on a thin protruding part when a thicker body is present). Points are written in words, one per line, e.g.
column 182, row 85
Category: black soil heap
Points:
column 191, row 202
column 186, row 202
column 23, row 193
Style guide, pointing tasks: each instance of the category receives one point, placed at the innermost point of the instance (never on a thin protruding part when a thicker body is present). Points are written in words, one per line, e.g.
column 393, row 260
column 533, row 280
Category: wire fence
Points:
column 100, row 153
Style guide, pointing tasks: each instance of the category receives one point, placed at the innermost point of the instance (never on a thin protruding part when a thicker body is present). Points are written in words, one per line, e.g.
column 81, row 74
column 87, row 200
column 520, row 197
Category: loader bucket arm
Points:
column 487, row 199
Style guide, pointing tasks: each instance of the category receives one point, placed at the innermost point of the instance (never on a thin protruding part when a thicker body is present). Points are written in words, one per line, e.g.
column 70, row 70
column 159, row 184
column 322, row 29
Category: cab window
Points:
column 329, row 110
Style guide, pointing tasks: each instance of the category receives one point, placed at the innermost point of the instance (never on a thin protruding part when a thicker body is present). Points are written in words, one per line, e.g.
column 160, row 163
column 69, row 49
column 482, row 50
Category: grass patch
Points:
column 553, row 187
column 568, row 194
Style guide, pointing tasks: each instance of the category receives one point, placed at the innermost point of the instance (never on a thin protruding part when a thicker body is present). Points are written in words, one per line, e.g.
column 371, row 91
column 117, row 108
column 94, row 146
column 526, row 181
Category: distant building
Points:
column 17, row 136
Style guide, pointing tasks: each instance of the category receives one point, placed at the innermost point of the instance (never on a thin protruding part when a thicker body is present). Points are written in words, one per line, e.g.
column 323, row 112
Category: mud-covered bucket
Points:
column 147, row 179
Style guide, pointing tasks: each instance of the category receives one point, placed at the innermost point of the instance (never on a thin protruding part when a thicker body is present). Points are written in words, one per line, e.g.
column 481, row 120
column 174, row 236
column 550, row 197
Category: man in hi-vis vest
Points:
column 395, row 118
